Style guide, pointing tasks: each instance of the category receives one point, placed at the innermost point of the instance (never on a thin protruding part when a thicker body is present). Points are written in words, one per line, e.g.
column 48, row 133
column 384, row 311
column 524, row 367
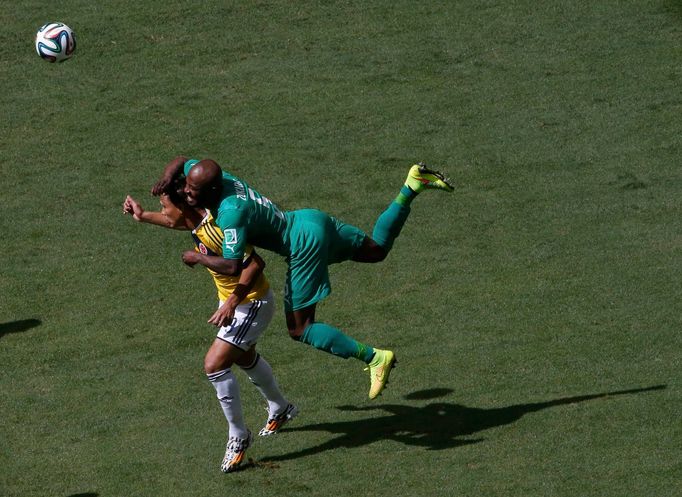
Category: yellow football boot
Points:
column 422, row 177
column 379, row 371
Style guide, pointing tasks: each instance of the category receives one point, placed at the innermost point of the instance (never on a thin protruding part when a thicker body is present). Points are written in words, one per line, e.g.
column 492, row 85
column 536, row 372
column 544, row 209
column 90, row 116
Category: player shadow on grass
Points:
column 18, row 326
column 436, row 426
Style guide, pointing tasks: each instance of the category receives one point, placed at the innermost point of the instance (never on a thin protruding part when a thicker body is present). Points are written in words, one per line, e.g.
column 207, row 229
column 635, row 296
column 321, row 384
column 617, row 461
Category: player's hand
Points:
column 191, row 257
column 161, row 186
column 130, row 206
column 223, row 316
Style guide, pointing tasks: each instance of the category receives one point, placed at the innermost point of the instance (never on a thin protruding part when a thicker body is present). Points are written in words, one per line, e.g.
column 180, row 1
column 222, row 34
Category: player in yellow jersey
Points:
column 247, row 306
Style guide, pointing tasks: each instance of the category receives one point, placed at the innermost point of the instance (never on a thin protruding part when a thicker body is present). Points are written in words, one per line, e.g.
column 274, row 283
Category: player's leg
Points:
column 261, row 375
column 229, row 347
column 391, row 221
column 259, row 371
column 302, row 327
column 218, row 367
column 317, row 240
column 307, row 282
column 259, row 313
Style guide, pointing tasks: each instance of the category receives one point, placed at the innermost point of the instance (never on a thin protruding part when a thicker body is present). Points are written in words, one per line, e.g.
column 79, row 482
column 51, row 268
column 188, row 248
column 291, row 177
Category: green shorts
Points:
column 316, row 240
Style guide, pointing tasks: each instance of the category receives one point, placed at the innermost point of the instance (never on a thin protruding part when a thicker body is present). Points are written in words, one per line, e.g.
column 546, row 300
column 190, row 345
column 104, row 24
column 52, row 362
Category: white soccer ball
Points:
column 55, row 42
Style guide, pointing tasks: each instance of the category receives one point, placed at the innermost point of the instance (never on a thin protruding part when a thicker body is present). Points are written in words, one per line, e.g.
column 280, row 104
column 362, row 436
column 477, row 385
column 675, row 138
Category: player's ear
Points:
column 216, row 186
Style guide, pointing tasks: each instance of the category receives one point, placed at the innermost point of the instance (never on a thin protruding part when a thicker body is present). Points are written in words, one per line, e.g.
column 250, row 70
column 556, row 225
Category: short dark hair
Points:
column 175, row 190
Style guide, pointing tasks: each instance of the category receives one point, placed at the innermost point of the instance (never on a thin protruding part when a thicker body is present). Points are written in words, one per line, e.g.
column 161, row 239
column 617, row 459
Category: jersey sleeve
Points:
column 232, row 222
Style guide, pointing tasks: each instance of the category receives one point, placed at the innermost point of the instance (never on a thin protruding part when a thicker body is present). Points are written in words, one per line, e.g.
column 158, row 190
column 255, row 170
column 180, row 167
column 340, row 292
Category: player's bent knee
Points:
column 213, row 364
column 221, row 355
column 210, row 366
column 370, row 252
column 296, row 334
column 299, row 320
column 379, row 254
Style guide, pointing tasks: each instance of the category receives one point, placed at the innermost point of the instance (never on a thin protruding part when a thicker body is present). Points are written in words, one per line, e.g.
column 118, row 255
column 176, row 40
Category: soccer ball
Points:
column 55, row 42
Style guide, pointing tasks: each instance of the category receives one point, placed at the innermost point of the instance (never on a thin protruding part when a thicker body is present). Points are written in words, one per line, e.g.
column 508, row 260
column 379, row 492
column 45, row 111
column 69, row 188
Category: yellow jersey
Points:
column 208, row 239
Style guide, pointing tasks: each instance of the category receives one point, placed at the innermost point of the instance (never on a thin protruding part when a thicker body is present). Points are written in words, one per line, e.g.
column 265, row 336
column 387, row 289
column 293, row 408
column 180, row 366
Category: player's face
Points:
column 193, row 193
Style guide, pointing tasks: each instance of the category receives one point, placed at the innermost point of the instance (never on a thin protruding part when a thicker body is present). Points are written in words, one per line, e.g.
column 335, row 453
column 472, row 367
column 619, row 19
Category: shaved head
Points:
column 204, row 183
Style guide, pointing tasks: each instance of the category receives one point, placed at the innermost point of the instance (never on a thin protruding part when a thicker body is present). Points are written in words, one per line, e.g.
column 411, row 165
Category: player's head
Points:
column 203, row 184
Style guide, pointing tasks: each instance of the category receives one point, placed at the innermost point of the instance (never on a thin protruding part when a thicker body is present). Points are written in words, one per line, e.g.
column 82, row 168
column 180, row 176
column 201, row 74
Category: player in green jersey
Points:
column 310, row 240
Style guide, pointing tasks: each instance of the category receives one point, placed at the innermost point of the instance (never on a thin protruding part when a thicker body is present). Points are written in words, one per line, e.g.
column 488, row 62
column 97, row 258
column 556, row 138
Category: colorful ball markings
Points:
column 55, row 42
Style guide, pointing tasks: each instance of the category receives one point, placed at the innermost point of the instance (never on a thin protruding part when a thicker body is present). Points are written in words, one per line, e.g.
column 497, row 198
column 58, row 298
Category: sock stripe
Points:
column 218, row 374
column 252, row 365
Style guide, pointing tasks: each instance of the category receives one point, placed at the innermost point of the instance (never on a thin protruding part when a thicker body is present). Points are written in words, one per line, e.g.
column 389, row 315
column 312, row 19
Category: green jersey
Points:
column 247, row 217
column 310, row 239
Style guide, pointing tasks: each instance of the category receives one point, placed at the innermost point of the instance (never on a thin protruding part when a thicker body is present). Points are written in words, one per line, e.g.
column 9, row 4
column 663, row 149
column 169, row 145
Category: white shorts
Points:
column 249, row 322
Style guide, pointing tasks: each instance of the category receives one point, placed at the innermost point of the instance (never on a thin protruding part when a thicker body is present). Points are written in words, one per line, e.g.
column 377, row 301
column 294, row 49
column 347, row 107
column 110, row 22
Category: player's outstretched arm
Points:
column 172, row 169
column 168, row 218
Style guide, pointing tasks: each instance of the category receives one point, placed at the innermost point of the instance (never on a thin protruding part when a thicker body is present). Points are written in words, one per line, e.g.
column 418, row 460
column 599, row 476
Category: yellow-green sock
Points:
column 406, row 195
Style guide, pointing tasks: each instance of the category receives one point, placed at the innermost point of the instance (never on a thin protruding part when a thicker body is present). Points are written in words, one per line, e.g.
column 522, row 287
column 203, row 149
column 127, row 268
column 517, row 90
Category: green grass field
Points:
column 536, row 312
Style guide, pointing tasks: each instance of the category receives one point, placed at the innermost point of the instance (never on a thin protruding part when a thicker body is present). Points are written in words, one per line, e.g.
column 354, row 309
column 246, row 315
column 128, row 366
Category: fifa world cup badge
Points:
column 230, row 239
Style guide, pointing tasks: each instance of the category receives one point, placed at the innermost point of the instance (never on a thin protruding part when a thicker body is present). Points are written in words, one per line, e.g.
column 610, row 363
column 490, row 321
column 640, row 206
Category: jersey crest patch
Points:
column 203, row 249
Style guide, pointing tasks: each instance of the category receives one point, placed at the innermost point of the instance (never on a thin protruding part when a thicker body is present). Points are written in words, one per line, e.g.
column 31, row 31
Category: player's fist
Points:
column 190, row 257
column 130, row 206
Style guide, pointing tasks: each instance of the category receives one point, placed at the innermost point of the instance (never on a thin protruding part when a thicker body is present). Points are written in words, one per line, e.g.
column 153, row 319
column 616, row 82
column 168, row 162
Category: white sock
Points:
column 227, row 390
column 260, row 374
